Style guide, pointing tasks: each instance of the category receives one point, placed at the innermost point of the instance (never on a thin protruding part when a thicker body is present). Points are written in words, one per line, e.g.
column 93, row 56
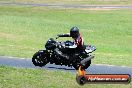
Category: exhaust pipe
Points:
column 85, row 61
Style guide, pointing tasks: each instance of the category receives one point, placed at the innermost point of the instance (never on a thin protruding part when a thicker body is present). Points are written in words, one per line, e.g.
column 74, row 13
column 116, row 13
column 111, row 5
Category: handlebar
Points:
column 63, row 35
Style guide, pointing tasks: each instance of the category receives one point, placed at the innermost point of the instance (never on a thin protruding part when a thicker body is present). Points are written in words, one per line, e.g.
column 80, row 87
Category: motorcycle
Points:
column 76, row 59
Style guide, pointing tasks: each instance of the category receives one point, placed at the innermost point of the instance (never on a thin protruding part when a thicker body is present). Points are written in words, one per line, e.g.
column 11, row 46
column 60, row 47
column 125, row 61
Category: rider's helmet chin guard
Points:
column 74, row 32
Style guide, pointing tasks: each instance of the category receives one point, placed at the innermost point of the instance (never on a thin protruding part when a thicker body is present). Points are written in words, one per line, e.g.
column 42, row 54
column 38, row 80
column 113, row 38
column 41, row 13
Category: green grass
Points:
column 25, row 30
column 91, row 2
column 41, row 78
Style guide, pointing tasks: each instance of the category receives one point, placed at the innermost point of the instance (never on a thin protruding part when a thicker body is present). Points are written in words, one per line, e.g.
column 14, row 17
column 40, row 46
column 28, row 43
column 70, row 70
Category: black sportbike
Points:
column 53, row 50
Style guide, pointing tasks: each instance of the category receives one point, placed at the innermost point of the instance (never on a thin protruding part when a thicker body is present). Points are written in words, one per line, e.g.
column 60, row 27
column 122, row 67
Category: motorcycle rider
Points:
column 77, row 40
column 77, row 37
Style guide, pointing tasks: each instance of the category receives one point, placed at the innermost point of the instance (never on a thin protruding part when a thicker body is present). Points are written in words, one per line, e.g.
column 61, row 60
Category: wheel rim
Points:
column 40, row 59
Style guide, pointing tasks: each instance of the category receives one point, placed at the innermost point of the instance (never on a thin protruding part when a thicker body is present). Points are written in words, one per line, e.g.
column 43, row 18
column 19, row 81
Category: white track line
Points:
column 14, row 57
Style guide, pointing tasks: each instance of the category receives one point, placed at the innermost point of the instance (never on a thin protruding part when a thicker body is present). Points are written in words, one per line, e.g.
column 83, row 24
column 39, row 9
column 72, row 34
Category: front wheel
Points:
column 40, row 59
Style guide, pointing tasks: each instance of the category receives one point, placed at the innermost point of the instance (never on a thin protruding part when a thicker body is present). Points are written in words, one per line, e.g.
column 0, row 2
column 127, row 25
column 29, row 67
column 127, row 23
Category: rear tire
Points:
column 40, row 59
column 76, row 66
column 87, row 65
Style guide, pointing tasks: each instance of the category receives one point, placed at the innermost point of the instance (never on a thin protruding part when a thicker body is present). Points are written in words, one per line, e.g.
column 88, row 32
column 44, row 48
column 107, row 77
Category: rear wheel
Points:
column 40, row 59
column 87, row 64
column 76, row 66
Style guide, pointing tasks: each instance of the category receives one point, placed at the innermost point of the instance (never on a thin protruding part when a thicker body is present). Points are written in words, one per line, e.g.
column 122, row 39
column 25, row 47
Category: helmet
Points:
column 74, row 32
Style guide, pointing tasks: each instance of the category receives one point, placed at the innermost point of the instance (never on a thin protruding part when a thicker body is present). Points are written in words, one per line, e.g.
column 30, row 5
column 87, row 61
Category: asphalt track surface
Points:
column 93, row 69
column 68, row 5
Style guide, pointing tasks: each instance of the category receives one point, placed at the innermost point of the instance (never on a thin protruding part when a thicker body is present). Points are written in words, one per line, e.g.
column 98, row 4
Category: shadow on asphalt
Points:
column 61, row 68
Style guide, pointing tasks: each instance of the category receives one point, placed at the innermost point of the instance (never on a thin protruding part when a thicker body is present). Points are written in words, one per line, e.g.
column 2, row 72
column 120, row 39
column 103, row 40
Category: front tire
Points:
column 40, row 59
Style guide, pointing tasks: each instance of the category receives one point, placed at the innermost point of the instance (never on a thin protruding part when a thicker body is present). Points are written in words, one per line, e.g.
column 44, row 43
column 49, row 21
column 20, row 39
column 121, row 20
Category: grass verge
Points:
column 84, row 2
column 41, row 78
